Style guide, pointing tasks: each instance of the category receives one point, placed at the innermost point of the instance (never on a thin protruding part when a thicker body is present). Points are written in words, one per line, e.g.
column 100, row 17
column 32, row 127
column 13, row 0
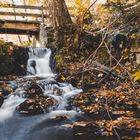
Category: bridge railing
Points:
column 22, row 6
column 21, row 19
column 25, row 11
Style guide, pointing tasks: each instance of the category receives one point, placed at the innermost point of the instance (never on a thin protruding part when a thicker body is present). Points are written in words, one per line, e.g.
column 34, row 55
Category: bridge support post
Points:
column 43, row 38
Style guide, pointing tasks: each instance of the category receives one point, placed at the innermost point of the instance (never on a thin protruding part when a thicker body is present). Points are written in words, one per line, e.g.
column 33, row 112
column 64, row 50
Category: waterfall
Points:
column 16, row 126
column 39, row 62
column 38, row 65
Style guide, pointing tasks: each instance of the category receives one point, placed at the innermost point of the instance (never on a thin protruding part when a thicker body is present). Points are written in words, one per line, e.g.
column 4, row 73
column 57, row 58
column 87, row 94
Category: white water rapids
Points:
column 13, row 123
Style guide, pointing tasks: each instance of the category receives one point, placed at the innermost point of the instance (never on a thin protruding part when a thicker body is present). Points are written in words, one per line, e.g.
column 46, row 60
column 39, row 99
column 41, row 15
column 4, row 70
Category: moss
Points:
column 12, row 57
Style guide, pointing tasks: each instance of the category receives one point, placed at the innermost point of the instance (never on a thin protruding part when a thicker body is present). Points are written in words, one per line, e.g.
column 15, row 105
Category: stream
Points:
column 17, row 126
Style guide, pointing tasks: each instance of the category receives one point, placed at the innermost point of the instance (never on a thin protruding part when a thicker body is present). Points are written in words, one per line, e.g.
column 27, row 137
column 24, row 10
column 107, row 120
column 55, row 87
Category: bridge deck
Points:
column 19, row 27
column 22, row 14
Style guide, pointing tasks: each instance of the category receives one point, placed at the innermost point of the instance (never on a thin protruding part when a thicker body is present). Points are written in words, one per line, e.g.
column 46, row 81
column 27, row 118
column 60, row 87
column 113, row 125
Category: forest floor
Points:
column 111, row 109
column 112, row 106
column 110, row 112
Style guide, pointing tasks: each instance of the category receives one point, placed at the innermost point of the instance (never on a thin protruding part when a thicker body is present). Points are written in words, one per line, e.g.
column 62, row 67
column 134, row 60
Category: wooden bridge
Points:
column 19, row 25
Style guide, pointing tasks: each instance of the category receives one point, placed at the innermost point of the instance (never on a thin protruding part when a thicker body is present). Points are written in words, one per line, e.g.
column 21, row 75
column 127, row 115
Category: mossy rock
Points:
column 13, row 59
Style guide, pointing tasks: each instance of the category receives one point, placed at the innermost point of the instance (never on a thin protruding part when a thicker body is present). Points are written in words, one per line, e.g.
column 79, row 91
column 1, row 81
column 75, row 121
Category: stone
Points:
column 1, row 100
column 33, row 90
column 37, row 105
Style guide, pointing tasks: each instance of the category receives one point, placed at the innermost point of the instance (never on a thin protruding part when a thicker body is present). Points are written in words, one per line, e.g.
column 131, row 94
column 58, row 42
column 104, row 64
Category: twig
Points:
column 111, row 120
column 117, row 60
column 86, row 13
column 109, row 72
column 82, row 30
column 92, row 56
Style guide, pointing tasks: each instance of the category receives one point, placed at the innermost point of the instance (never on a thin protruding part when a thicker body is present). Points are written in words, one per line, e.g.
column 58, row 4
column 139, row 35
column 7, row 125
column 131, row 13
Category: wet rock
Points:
column 20, row 57
column 59, row 118
column 84, row 130
column 37, row 105
column 125, row 127
column 13, row 59
column 57, row 91
column 1, row 100
column 33, row 90
column 5, row 89
column 60, row 78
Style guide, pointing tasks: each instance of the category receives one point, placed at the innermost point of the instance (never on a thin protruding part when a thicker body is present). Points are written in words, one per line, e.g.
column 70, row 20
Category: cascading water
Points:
column 39, row 61
column 38, row 65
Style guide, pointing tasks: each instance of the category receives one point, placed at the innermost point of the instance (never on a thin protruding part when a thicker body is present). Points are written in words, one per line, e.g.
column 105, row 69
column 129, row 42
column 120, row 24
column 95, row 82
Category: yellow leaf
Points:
column 122, row 97
column 63, row 78
column 136, row 76
column 78, row 2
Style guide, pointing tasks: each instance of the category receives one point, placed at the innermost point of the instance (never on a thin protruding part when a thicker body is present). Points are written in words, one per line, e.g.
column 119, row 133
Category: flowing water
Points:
column 14, row 126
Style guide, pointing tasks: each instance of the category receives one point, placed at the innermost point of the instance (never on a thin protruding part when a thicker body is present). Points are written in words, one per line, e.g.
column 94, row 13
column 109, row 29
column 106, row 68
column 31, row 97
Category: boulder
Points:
column 37, row 105
column 1, row 100
column 13, row 59
column 33, row 90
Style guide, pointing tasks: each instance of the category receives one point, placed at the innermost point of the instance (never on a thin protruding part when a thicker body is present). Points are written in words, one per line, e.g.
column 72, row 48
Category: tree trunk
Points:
column 60, row 20
column 58, row 13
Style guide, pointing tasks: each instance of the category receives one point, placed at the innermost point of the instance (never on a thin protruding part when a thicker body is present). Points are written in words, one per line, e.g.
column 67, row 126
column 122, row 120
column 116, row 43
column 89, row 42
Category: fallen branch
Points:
column 96, row 67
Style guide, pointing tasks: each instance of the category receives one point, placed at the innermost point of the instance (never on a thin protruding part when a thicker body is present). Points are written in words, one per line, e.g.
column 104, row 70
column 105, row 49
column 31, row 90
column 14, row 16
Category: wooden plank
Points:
column 22, row 26
column 18, row 31
column 22, row 14
column 22, row 6
column 19, row 28
column 32, row 7
column 19, row 21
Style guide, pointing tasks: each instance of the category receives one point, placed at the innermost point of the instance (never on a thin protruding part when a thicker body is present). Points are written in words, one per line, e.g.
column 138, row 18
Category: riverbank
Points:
column 109, row 110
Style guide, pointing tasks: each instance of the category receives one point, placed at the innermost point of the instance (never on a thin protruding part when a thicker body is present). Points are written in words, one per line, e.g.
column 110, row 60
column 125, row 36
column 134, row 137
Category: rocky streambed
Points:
column 48, row 106
column 43, row 106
